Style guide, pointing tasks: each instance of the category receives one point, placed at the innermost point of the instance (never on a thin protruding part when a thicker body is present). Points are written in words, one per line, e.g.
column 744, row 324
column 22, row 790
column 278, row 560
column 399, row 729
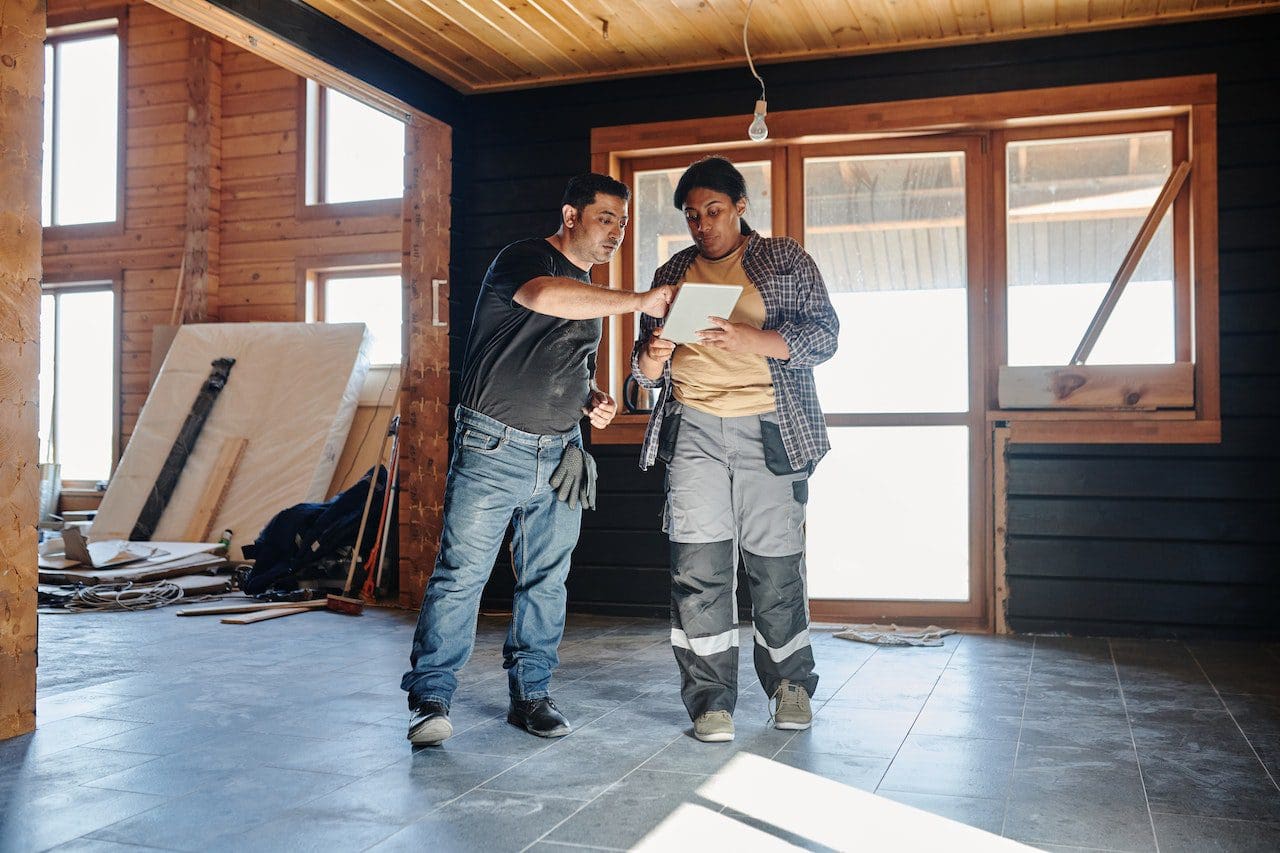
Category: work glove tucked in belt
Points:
column 575, row 478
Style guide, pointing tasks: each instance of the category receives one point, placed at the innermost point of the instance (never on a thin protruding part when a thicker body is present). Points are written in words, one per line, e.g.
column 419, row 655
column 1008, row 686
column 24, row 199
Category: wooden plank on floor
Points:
column 264, row 615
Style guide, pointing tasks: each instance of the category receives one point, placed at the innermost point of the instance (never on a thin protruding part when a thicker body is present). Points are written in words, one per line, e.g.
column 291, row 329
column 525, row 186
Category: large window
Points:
column 82, row 124
column 373, row 295
column 1041, row 270
column 354, row 153
column 77, row 379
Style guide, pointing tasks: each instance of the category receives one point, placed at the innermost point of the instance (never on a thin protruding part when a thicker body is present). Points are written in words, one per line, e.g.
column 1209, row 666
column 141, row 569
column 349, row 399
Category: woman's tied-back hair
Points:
column 582, row 190
column 716, row 174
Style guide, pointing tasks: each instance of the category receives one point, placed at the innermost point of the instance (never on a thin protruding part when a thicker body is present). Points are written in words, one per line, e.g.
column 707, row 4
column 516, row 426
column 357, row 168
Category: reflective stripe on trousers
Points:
column 722, row 498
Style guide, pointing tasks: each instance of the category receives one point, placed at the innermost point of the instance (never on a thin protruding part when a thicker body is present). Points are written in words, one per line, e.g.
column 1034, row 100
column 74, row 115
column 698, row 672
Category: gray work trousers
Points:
column 722, row 498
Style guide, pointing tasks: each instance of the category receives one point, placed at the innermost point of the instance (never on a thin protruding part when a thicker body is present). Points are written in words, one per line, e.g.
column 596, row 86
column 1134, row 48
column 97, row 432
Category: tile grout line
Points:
column 1017, row 747
column 553, row 742
column 606, row 790
column 1232, row 715
column 1133, row 741
column 916, row 719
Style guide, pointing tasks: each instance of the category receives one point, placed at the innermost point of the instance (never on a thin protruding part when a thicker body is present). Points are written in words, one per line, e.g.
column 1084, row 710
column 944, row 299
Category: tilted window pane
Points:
column 1074, row 208
column 376, row 301
column 364, row 151
column 888, row 233
column 87, row 105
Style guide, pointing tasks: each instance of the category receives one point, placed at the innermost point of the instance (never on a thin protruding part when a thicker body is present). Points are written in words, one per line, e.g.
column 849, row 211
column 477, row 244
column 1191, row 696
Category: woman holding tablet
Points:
column 738, row 424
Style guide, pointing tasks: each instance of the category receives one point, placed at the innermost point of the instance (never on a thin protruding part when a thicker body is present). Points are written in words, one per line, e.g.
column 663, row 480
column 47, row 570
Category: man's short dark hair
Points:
column 582, row 189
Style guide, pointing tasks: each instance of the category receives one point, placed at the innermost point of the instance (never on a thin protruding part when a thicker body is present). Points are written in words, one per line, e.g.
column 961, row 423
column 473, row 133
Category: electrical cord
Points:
column 123, row 596
column 747, row 49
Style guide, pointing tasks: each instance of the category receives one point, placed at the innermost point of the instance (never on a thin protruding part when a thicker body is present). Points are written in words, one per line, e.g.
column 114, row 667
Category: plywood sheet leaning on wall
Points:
column 292, row 395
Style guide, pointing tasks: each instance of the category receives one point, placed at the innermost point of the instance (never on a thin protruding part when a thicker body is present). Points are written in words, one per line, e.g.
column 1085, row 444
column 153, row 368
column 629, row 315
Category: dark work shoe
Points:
column 429, row 724
column 538, row 717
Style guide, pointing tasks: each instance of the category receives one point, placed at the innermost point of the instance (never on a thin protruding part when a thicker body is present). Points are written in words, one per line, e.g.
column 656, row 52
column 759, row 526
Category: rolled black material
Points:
column 167, row 479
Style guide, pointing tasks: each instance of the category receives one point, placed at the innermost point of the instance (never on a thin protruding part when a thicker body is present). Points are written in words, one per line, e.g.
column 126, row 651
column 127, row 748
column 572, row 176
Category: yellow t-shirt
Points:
column 724, row 384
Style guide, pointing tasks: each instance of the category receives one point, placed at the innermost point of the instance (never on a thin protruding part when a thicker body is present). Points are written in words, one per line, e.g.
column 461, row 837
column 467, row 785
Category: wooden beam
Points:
column 22, row 26
column 1172, row 187
column 199, row 277
column 1118, row 386
column 215, row 490
column 424, row 423
column 297, row 37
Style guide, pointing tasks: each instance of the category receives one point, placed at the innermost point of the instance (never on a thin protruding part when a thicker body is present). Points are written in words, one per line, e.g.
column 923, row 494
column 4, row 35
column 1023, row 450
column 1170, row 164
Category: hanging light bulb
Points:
column 759, row 131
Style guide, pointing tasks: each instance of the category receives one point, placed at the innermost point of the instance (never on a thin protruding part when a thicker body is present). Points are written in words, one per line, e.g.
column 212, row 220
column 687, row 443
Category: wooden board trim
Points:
column 1097, row 386
column 1096, row 101
column 215, row 489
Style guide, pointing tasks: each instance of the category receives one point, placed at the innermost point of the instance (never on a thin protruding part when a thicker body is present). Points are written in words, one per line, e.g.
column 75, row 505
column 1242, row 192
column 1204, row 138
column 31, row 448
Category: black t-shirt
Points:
column 531, row 371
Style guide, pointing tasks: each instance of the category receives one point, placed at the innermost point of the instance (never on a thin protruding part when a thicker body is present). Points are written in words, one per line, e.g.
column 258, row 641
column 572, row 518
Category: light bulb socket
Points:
column 762, row 108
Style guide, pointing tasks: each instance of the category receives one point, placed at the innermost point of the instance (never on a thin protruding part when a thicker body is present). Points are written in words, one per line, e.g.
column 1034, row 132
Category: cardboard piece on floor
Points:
column 292, row 394
column 99, row 555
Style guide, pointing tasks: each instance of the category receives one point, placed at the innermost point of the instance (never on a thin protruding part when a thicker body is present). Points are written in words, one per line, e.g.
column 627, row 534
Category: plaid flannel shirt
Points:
column 798, row 308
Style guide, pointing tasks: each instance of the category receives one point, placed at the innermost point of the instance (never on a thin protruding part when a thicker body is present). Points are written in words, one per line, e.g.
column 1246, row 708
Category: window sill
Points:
column 1162, row 427
column 347, row 209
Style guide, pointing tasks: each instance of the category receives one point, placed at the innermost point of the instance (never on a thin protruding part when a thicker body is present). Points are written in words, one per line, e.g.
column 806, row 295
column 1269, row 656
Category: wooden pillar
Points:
column 424, row 401
column 22, row 25
column 204, row 178
column 1000, row 527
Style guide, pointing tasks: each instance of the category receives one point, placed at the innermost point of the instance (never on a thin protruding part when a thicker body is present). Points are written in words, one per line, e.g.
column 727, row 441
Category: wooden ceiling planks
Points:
column 495, row 45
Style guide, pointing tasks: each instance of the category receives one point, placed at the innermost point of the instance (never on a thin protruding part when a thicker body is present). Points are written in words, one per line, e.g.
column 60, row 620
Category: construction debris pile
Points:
column 244, row 422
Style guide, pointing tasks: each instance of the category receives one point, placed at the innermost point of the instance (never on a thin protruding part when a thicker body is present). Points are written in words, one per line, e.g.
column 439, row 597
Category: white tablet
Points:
column 693, row 304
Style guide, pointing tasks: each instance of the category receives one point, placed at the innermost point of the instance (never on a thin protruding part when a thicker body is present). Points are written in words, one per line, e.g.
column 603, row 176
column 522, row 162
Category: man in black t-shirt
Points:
column 527, row 378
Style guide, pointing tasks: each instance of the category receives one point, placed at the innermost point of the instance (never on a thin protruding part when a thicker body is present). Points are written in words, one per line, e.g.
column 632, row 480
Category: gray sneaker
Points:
column 793, row 712
column 429, row 725
column 713, row 727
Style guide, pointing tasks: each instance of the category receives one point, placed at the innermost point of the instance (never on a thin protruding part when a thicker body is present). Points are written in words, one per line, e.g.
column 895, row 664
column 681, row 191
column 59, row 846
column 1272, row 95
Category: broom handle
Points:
column 364, row 517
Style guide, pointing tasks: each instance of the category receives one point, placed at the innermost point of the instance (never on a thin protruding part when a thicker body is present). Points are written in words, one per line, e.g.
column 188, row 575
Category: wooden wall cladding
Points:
column 212, row 171
column 256, row 229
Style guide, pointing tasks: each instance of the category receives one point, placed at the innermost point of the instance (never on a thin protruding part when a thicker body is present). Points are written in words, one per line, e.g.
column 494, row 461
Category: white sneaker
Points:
column 713, row 727
column 793, row 712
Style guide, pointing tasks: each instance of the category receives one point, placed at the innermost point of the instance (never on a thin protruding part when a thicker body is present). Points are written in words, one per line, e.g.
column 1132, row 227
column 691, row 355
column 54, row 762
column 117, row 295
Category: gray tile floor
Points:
column 186, row 734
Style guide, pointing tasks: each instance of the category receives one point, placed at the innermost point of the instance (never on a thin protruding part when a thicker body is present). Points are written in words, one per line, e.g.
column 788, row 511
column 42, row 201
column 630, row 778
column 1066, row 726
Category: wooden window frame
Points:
column 314, row 271
column 1189, row 104
column 73, row 26
column 89, row 281
column 311, row 161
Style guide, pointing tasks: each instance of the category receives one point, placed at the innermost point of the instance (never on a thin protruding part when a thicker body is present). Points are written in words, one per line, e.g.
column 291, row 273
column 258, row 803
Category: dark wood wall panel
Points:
column 1115, row 540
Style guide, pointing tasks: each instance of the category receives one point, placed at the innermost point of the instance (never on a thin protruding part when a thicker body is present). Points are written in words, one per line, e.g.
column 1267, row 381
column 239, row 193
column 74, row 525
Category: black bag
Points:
column 313, row 541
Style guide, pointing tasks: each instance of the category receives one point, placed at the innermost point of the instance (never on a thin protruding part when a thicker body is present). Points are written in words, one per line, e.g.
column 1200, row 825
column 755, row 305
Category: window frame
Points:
column 74, row 26
column 311, row 159
column 313, row 273
column 90, row 281
column 1187, row 104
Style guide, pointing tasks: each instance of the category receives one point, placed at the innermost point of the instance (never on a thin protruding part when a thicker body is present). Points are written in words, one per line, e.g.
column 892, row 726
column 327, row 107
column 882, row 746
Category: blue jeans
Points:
column 498, row 476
